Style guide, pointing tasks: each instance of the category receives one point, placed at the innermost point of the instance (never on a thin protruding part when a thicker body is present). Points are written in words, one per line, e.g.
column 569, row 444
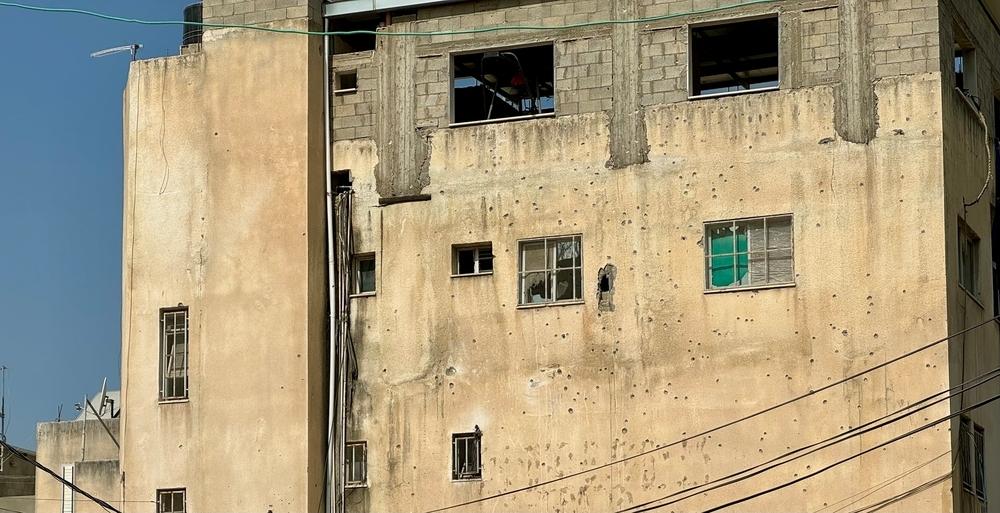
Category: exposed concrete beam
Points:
column 629, row 145
column 855, row 114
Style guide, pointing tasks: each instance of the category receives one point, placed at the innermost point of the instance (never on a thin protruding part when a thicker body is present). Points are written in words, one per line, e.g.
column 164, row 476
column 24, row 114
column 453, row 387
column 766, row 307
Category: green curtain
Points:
column 729, row 270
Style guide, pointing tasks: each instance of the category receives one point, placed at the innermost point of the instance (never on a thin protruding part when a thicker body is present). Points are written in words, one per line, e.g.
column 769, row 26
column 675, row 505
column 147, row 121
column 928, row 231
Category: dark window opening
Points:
column 171, row 501
column 472, row 259
column 345, row 82
column 503, row 84
column 340, row 180
column 734, row 57
column 364, row 274
column 174, row 335
column 356, row 464
column 960, row 69
column 350, row 43
column 466, row 456
column 968, row 259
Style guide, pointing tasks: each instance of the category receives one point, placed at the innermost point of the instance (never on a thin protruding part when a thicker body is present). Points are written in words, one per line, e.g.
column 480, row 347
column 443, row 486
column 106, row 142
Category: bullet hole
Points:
column 450, row 371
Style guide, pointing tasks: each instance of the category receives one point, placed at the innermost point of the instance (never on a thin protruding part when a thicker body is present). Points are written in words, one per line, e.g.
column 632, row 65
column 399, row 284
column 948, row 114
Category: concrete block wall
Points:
column 820, row 45
column 904, row 37
column 252, row 12
column 663, row 66
column 433, row 92
column 583, row 75
column 354, row 113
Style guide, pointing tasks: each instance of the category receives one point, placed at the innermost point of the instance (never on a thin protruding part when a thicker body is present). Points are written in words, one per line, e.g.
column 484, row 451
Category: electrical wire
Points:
column 837, row 463
column 481, row 30
column 59, row 478
column 775, row 462
column 989, row 158
column 720, row 427
column 872, row 508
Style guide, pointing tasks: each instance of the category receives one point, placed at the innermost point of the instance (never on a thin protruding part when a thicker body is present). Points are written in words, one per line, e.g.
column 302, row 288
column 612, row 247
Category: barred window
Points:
column 171, row 501
column 466, row 456
column 356, row 465
column 174, row 335
column 748, row 253
column 971, row 451
column 551, row 270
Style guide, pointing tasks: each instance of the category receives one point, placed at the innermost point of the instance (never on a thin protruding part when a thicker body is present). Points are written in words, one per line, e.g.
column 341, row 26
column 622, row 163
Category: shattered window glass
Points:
column 551, row 270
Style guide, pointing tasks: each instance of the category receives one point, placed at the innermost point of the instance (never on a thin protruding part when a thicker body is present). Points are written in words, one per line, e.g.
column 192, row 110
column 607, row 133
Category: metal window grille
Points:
column 174, row 337
column 171, row 501
column 468, row 260
column 551, row 270
column 965, row 443
column 746, row 253
column 356, row 464
column 466, row 461
column 979, row 437
column 364, row 274
column 67, row 492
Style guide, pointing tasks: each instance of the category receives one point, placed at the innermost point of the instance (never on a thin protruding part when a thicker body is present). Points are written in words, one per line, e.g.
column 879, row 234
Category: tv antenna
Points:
column 132, row 49
column 3, row 413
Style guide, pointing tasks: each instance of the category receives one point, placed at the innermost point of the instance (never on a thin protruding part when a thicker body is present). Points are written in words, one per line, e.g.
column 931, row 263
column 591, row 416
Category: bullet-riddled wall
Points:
column 853, row 148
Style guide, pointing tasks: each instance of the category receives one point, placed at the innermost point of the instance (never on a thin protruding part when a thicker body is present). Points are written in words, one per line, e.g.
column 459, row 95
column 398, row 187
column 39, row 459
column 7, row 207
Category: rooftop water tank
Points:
column 192, row 33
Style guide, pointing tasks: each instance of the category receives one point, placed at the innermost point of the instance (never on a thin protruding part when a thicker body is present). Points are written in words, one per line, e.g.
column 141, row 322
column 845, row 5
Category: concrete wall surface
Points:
column 224, row 214
column 22, row 504
column 18, row 476
column 87, row 447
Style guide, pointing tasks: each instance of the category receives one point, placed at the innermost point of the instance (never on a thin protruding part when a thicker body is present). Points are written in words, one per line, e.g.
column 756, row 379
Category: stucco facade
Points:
column 865, row 142
column 91, row 456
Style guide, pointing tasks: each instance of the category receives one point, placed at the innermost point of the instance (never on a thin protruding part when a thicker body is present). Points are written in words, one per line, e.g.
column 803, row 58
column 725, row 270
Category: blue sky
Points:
column 61, row 200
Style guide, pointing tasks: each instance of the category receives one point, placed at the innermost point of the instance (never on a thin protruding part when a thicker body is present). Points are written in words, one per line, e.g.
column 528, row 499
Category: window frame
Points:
column 477, row 247
column 527, row 44
column 707, row 254
column 68, row 495
column 356, row 260
column 160, row 492
column 477, row 439
column 966, row 233
column 162, row 397
column 521, row 272
column 351, row 448
column 728, row 21
column 972, row 458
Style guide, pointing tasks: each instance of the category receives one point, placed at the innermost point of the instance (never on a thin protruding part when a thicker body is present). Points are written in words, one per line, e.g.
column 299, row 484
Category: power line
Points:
column 720, row 427
column 872, row 508
column 482, row 30
column 59, row 478
column 867, row 492
column 862, row 429
column 907, row 434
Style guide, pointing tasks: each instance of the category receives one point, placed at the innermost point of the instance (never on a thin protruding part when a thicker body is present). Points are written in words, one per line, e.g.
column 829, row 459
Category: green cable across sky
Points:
column 497, row 28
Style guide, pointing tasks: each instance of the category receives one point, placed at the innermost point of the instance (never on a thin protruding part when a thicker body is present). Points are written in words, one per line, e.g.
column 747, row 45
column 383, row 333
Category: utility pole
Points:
column 3, row 414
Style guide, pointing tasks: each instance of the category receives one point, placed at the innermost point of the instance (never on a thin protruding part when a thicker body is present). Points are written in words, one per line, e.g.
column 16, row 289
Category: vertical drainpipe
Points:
column 330, row 498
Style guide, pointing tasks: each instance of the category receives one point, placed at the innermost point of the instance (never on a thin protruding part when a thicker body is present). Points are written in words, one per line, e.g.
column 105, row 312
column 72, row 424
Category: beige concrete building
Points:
column 17, row 481
column 579, row 251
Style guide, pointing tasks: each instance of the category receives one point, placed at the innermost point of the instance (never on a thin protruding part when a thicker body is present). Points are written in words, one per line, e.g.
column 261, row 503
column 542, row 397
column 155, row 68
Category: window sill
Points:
column 470, row 480
column 362, row 295
column 750, row 288
column 731, row 93
column 502, row 120
column 471, row 275
column 356, row 486
column 174, row 401
column 568, row 302
column 341, row 92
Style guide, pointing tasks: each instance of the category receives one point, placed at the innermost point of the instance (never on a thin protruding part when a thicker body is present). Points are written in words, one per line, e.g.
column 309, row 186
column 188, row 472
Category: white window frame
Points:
column 747, row 220
column 68, row 494
column 173, row 492
column 479, row 249
column 550, row 272
column 167, row 365
column 728, row 21
column 340, row 90
column 356, row 274
column 353, row 449
column 475, row 439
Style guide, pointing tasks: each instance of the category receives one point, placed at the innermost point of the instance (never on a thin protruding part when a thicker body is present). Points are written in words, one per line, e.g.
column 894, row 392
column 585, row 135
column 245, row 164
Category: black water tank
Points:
column 192, row 33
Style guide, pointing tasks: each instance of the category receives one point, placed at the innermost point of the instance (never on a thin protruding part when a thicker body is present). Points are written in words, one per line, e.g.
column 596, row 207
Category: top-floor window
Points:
column 174, row 334
column 503, row 84
column 734, row 56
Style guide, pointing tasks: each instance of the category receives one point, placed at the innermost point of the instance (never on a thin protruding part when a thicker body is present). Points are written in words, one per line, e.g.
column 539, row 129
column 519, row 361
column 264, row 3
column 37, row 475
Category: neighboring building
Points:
column 84, row 452
column 570, row 246
column 17, row 482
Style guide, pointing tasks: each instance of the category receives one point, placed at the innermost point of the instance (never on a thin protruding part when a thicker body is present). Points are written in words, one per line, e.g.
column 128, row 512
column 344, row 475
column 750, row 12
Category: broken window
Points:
column 972, row 450
column 466, row 460
column 968, row 259
column 965, row 63
column 174, row 331
column 749, row 252
column 364, row 274
column 345, row 82
column 171, row 501
column 356, row 465
column 473, row 259
column 734, row 56
column 348, row 39
column 550, row 270
column 503, row 84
